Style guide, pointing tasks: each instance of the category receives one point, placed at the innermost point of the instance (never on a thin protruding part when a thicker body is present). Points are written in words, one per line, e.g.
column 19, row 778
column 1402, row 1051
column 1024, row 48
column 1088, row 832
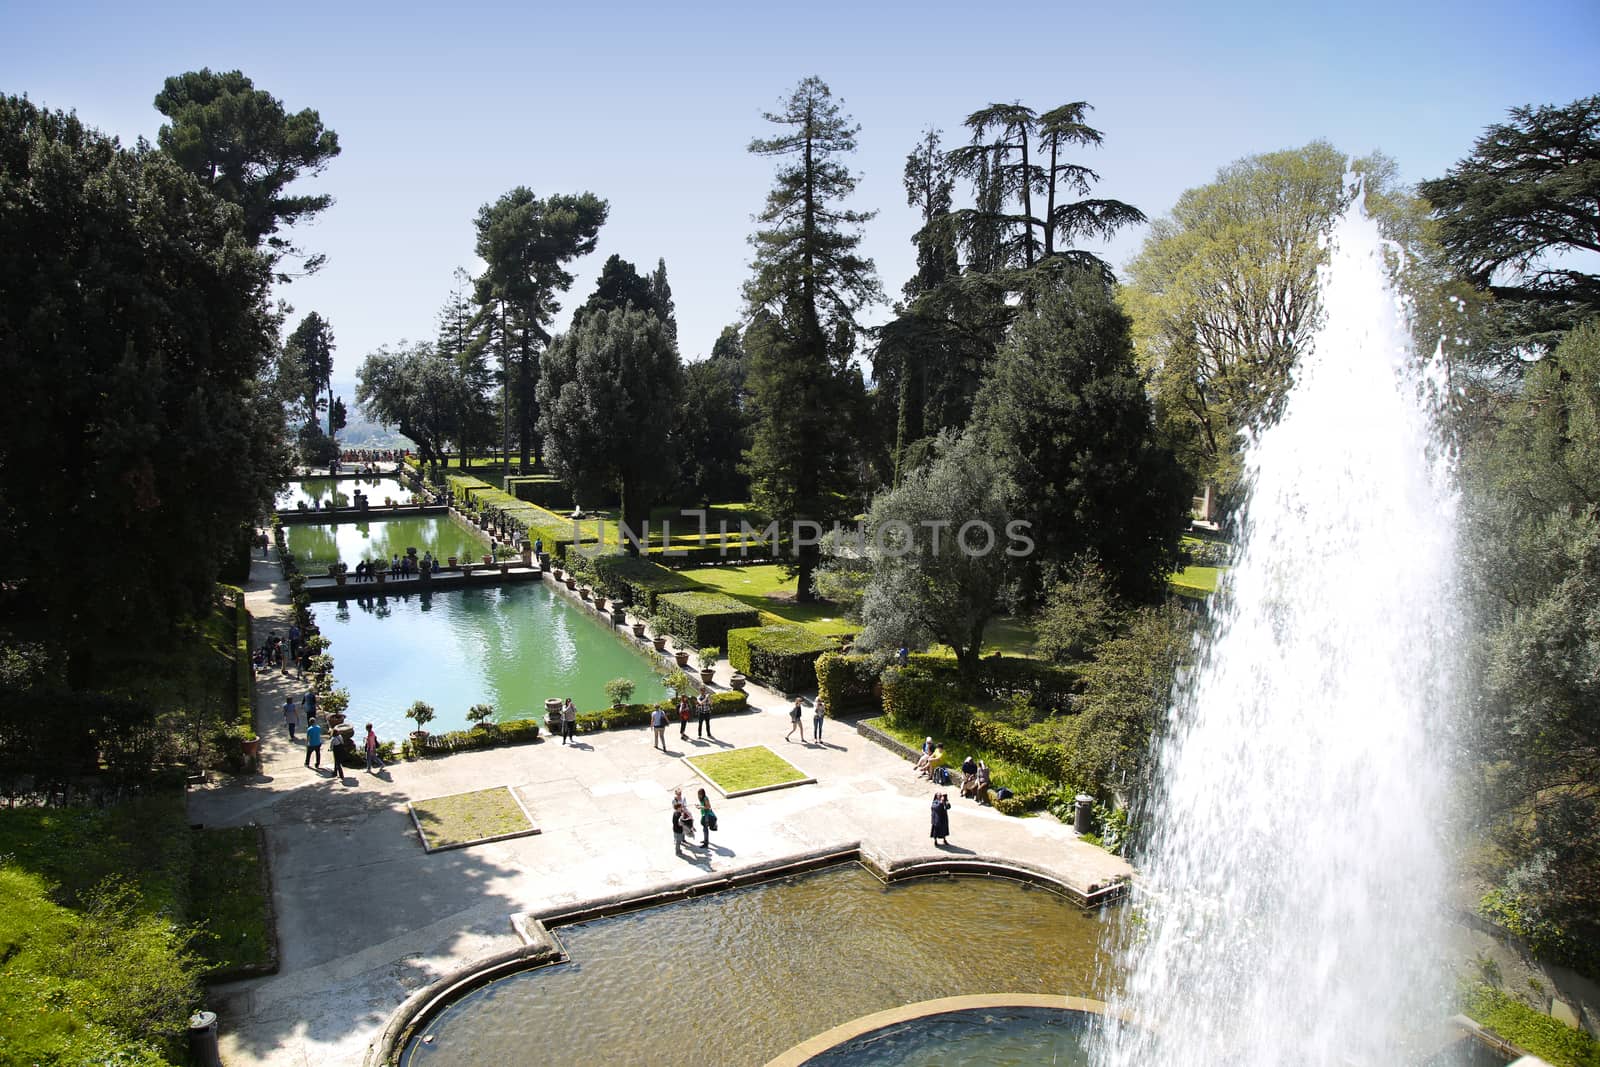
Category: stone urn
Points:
column 382, row 574
column 638, row 630
column 661, row 644
column 737, row 681
column 618, row 616
column 336, row 719
column 452, row 562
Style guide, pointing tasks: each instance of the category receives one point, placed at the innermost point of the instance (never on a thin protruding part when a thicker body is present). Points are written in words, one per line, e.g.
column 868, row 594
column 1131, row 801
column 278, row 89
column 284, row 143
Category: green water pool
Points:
column 511, row 646
column 316, row 545
column 308, row 491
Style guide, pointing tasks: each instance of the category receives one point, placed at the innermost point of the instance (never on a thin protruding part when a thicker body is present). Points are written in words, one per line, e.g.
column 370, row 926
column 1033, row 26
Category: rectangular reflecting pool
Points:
column 337, row 492
column 512, row 647
column 318, row 544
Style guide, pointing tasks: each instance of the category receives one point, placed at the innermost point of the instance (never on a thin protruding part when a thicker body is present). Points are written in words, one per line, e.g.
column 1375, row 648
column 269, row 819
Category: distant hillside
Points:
column 362, row 433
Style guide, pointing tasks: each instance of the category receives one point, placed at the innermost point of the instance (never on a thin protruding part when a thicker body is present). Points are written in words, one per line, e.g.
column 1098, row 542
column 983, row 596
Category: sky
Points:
column 442, row 108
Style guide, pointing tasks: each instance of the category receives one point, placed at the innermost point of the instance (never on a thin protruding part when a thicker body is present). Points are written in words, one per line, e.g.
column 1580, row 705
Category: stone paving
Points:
column 365, row 917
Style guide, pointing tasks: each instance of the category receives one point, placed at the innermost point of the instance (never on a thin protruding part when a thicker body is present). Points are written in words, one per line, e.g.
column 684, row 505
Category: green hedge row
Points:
column 637, row 581
column 244, row 671
column 1049, row 687
column 847, row 683
column 532, row 521
column 912, row 695
column 783, row 657
column 522, row 731
column 541, row 490
column 701, row 555
column 703, row 619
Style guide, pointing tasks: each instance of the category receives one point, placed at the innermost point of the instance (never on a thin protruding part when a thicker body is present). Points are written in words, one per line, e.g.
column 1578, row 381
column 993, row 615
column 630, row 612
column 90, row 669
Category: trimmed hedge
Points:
column 914, row 696
column 703, row 619
column 541, row 490
column 698, row 555
column 523, row 731
column 244, row 671
column 783, row 657
column 1049, row 687
column 637, row 581
column 846, row 683
column 532, row 521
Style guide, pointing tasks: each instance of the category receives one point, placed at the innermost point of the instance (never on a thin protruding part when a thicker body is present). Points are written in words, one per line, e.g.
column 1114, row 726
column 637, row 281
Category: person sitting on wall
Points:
column 969, row 777
column 980, row 789
column 929, row 756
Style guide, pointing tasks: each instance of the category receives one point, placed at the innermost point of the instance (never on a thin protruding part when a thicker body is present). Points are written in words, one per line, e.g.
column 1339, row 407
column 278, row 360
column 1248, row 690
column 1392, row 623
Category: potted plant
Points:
column 708, row 662
column 584, row 593
column 661, row 643
column 488, row 558
column 420, row 713
column 481, row 716
column 737, row 681
column 619, row 690
column 638, row 630
column 452, row 562
column 682, row 656
column 570, row 581
column 599, row 602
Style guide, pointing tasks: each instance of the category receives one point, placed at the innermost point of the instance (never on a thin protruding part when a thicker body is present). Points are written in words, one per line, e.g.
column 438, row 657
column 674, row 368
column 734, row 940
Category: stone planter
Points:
column 250, row 749
column 737, row 681
column 382, row 574
column 336, row 719
column 487, row 559
column 338, row 579
column 618, row 616
column 452, row 561
column 682, row 658
column 661, row 644
column 705, row 675
column 570, row 581
column 599, row 602
column 420, row 737
column 638, row 630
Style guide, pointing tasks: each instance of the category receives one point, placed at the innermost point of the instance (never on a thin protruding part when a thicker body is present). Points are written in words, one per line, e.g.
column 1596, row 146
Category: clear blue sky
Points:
column 441, row 108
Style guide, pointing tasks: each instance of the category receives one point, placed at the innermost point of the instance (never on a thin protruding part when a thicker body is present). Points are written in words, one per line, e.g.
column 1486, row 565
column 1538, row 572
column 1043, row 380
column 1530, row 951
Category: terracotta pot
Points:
column 705, row 675
column 452, row 562
column 683, row 658
column 251, row 748
column 638, row 630
column 584, row 593
column 661, row 644
column 488, row 558
column 571, row 582
column 505, row 568
column 600, row 603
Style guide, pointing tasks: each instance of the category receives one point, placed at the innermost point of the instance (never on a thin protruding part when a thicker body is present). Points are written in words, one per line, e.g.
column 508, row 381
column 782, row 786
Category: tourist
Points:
column 394, row 566
column 794, row 722
column 289, row 716
column 928, row 766
column 338, row 750
column 682, row 822
column 261, row 540
column 309, row 702
column 373, row 755
column 969, row 777
column 683, row 716
column 703, row 716
column 708, row 820
column 940, row 831
column 980, row 790
column 313, row 741
column 903, row 656
column 658, row 725
column 928, row 748
column 569, row 721
column 818, row 712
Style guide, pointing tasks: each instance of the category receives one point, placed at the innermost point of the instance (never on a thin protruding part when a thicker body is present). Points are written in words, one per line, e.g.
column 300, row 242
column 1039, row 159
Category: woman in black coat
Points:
column 941, row 819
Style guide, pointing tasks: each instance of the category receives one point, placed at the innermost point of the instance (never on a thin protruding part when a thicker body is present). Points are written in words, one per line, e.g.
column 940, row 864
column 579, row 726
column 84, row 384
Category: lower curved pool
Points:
column 976, row 1037
column 736, row 978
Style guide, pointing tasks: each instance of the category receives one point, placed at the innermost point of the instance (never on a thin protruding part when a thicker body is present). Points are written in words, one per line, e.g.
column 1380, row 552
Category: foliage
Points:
column 423, row 392
column 846, row 683
column 743, row 769
column 1030, row 788
column 525, row 243
column 1534, row 529
column 809, row 282
column 240, row 143
column 1518, row 215
column 940, row 554
column 133, row 327
column 1551, row 1040
column 712, row 431
column 1065, row 413
column 601, row 387
column 228, row 895
column 702, row 618
column 481, row 715
column 637, row 580
column 783, row 657
column 420, row 713
column 1079, row 612
column 523, row 731
column 709, row 656
column 308, row 361
column 618, row 690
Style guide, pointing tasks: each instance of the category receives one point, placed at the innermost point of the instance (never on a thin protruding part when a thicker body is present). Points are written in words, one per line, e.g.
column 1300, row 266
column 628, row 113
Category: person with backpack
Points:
column 794, row 722
column 708, row 820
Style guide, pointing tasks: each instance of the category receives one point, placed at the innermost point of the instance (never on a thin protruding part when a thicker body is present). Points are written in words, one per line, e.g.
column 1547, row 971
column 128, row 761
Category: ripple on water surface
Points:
column 735, row 978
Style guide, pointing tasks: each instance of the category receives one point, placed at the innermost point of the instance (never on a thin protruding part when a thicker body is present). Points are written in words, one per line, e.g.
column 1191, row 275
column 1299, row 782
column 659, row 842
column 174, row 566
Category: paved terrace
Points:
column 366, row 918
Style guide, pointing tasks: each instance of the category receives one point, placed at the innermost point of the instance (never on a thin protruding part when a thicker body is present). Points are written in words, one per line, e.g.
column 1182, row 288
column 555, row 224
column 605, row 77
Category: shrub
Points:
column 420, row 713
column 618, row 690
column 481, row 715
column 702, row 618
column 783, row 657
column 709, row 656
column 637, row 581
column 846, row 683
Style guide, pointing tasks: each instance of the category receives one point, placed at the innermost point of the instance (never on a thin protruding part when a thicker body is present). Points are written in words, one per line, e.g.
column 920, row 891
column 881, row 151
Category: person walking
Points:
column 290, row 717
column 683, row 716
column 313, row 741
column 703, row 715
column 680, row 820
column 338, row 750
column 794, row 722
column 658, row 726
column 373, row 755
column 818, row 711
column 708, row 820
column 569, row 721
column 940, row 809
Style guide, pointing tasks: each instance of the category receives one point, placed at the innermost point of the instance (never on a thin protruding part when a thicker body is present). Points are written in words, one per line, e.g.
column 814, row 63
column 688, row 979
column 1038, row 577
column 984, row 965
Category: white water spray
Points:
column 1292, row 885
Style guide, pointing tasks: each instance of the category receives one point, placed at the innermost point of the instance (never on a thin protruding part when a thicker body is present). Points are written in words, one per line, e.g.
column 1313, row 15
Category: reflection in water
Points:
column 339, row 492
column 511, row 647
column 317, row 545
column 735, row 978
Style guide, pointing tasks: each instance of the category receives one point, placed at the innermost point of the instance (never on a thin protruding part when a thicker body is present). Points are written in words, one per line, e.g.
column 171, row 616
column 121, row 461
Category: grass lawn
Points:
column 1007, row 635
column 765, row 587
column 145, row 841
column 227, row 896
column 1195, row 581
column 1550, row 1040
column 470, row 818
column 741, row 770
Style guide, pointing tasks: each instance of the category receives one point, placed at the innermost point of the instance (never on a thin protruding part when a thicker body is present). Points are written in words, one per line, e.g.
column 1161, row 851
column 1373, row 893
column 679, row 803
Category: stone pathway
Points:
column 365, row 917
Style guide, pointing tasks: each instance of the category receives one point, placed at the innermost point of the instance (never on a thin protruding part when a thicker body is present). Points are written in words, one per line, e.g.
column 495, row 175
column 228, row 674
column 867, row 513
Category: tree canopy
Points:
column 241, row 144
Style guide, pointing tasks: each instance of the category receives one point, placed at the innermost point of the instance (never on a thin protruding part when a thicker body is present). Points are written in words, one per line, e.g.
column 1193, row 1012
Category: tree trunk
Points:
column 527, row 406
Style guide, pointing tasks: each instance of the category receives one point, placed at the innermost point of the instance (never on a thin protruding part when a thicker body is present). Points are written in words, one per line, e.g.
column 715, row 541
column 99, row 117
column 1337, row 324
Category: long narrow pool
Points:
column 511, row 646
column 316, row 545
column 736, row 978
column 338, row 492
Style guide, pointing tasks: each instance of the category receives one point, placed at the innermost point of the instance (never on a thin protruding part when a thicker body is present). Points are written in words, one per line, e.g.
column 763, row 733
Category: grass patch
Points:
column 741, row 770
column 1196, row 581
column 765, row 587
column 145, row 841
column 470, row 818
column 228, row 895
column 1549, row 1039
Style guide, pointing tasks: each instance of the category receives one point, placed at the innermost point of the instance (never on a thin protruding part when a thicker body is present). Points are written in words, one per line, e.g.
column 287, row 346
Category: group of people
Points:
column 975, row 785
column 341, row 747
column 368, row 457
column 683, row 821
column 397, row 567
column 698, row 707
column 819, row 711
column 286, row 654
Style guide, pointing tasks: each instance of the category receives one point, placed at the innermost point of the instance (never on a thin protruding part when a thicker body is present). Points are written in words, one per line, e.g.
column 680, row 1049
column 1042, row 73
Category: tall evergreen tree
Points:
column 311, row 346
column 661, row 295
column 525, row 243
column 619, row 286
column 470, row 350
column 808, row 285
column 240, row 143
